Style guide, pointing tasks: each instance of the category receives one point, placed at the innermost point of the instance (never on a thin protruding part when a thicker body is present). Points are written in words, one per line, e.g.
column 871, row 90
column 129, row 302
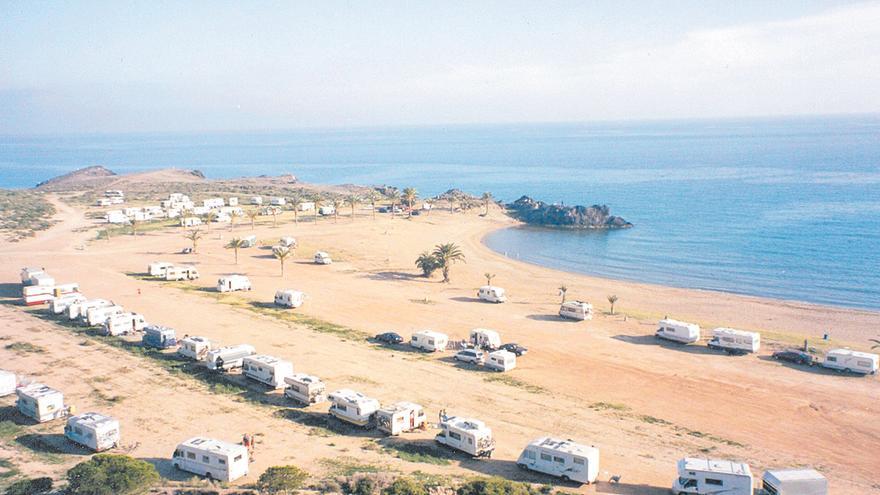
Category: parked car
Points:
column 383, row 209
column 470, row 356
column 796, row 356
column 515, row 348
column 415, row 213
column 389, row 338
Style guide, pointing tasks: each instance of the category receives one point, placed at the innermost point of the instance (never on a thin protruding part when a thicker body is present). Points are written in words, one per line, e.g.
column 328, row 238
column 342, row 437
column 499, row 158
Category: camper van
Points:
column 485, row 339
column 735, row 341
column 794, row 482
column 326, row 211
column 401, row 417
column 95, row 317
column 492, row 294
column 8, row 382
column 123, row 324
column 158, row 337
column 60, row 304
column 195, row 348
column 305, row 389
column 182, row 272
column 27, row 273
column 353, row 407
column 712, row 476
column 78, row 309
column 864, row 363
column 501, row 361
column 229, row 357
column 322, row 258
column 157, row 269
column 268, row 370
column 40, row 402
column 576, row 310
column 249, row 241
column 427, row 340
column 233, row 283
column 93, row 431
column 678, row 331
column 289, row 298
column 287, row 241
column 213, row 459
column 470, row 436
column 561, row 458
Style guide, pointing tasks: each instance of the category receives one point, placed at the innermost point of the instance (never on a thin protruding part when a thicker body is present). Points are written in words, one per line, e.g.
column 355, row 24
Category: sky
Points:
column 109, row 67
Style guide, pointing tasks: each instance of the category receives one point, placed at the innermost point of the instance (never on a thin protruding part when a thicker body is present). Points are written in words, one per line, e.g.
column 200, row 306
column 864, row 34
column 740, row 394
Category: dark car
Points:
column 795, row 356
column 383, row 209
column 515, row 348
column 389, row 338
column 416, row 213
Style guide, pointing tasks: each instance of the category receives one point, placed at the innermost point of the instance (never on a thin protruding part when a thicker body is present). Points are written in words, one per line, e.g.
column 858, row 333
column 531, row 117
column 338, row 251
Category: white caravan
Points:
column 257, row 200
column 307, row 206
column 326, row 211
column 8, row 382
column 322, row 258
column 43, row 279
column 158, row 268
column 97, row 316
column 470, row 436
column 353, row 407
column 232, row 201
column 711, row 477
column 735, row 341
column 794, row 482
column 287, row 241
column 60, row 304
column 33, row 295
column 213, row 459
column 401, row 417
column 289, row 298
column 78, row 309
column 233, row 283
column 485, row 339
column 678, row 331
column 195, row 348
column 124, row 324
column 305, row 389
column 27, row 273
column 864, row 363
column 229, row 357
column 249, row 241
column 561, row 458
column 183, row 272
column 268, row 370
column 576, row 310
column 501, row 361
column 277, row 201
column 492, row 294
column 40, row 402
column 94, row 431
column 427, row 340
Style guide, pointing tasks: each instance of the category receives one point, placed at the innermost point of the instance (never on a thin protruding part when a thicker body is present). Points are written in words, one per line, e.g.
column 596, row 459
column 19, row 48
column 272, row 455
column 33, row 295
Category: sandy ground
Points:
column 606, row 382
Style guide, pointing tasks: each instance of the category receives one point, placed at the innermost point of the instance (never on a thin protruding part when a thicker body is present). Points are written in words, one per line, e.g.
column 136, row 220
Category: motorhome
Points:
column 277, row 201
column 305, row 389
column 190, row 221
column 468, row 435
column 268, row 370
column 193, row 347
column 306, row 206
column 229, row 357
column 492, row 294
column 95, row 317
column 93, row 431
column 322, row 258
column 289, row 298
column 59, row 305
column 77, row 309
column 712, row 476
column 158, row 337
column 158, row 268
column 561, row 458
column 735, row 341
column 233, row 283
column 41, row 403
column 257, row 200
column 485, row 339
column 213, row 459
column 326, row 211
column 124, row 324
column 249, row 241
column 576, row 310
column 287, row 241
column 794, row 482
column 353, row 407
column 401, row 417
column 27, row 273
column 501, row 361
column 8, row 382
column 864, row 363
column 427, row 340
column 181, row 272
column 678, row 331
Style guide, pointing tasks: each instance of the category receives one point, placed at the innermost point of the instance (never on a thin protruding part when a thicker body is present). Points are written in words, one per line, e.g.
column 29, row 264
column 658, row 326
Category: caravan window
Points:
column 455, row 435
column 578, row 460
column 546, row 457
column 833, row 359
column 221, row 461
column 530, row 454
column 560, row 460
column 237, row 458
column 206, row 459
column 77, row 431
column 190, row 455
column 710, row 481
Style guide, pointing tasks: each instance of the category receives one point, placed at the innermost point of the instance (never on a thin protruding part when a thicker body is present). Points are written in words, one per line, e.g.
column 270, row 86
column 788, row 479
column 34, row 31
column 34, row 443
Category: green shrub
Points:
column 281, row 480
column 405, row 486
column 494, row 486
column 111, row 474
column 364, row 486
column 30, row 486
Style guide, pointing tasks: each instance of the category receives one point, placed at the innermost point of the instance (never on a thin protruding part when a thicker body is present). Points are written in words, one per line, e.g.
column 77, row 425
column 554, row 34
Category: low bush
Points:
column 30, row 486
column 111, row 474
column 281, row 480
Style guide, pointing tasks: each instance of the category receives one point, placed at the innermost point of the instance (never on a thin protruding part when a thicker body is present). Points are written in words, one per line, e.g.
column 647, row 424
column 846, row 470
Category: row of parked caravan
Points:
column 572, row 310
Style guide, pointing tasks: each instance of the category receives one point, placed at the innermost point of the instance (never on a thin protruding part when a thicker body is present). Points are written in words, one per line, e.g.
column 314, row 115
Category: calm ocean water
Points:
column 783, row 208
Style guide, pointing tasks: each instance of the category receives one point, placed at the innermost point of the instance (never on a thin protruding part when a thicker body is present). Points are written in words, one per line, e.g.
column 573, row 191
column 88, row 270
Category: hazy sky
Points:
column 154, row 66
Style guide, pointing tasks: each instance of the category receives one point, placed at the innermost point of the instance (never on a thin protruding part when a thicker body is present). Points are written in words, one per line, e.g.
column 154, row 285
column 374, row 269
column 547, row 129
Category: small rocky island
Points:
column 536, row 212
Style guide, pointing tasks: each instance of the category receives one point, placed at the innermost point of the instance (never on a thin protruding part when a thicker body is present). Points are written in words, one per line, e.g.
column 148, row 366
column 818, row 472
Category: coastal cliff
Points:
column 536, row 212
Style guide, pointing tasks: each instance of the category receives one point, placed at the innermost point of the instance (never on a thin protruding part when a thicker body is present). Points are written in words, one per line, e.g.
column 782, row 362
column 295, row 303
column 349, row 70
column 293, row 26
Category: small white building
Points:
column 232, row 201
column 114, row 193
column 194, row 347
column 42, row 403
column 229, row 357
column 305, row 389
column 124, row 324
column 430, row 341
column 468, row 435
column 93, row 431
column 353, row 407
column 181, row 272
column 501, row 361
column 212, row 203
column 103, row 202
column 561, row 458
column 712, row 476
column 268, row 370
column 847, row 360
column 794, row 482
column 190, row 221
column 231, row 283
column 485, row 338
column 213, row 459
column 200, row 210
column 492, row 294
column 401, row 417
column 8, row 382
column 678, row 331
column 289, row 298
column 158, row 268
column 735, row 341
column 322, row 258
column 576, row 310
column 60, row 304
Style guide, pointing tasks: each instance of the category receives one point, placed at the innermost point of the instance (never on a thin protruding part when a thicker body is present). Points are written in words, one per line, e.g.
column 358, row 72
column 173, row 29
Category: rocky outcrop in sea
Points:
column 536, row 212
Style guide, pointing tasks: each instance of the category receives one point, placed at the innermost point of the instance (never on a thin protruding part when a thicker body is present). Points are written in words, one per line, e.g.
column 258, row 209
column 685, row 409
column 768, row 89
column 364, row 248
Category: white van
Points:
column 485, row 339
column 268, row 370
column 322, row 258
column 576, row 310
column 794, row 482
column 735, row 341
column 490, row 293
column 229, row 357
column 501, row 361
column 233, row 283
column 561, row 458
column 194, row 347
column 712, row 476
column 289, row 298
column 94, row 431
column 427, row 340
column 864, row 363
column 401, row 417
column 678, row 331
column 214, row 459
column 183, row 272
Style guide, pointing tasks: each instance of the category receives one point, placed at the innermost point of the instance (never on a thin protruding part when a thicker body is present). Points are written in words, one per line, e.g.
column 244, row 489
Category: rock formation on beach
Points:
column 536, row 212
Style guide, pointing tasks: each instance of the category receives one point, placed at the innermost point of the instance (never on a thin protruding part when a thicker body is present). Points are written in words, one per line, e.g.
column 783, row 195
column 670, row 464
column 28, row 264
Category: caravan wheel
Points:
column 565, row 478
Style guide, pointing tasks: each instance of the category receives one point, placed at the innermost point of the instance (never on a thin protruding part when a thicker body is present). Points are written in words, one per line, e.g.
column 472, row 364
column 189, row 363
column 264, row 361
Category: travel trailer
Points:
column 470, row 436
column 93, row 431
column 287, row 241
column 27, row 273
column 401, row 417
column 322, row 258
column 158, row 337
column 501, row 361
column 735, row 341
column 427, row 340
column 326, row 211
column 78, row 309
column 576, row 310
column 561, row 458
column 190, row 221
column 277, row 201
column 712, row 476
column 59, row 305
column 124, row 324
column 864, row 363
column 289, row 298
column 305, row 389
column 353, row 407
column 8, row 382
column 678, row 331
column 492, row 294
column 268, row 370
column 257, row 200
column 33, row 295
column 157, row 269
column 233, row 283
column 40, row 402
column 213, row 459
column 181, row 272
column 307, row 206
column 794, row 482
column 95, row 317
column 229, row 357
column 249, row 241
column 196, row 348
column 485, row 339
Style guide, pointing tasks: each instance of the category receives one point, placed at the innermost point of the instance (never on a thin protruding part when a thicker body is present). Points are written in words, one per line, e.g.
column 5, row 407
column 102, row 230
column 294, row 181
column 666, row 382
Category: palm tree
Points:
column 876, row 343
column 194, row 235
column 562, row 291
column 233, row 216
column 253, row 213
column 612, row 299
column 134, row 223
column 336, row 202
column 275, row 210
column 394, row 196
column 427, row 263
column 410, row 195
column 430, row 206
column 209, row 217
column 447, row 255
column 489, row 277
column 281, row 254
column 487, row 196
column 235, row 244
column 295, row 200
column 373, row 197
column 319, row 202
column 352, row 201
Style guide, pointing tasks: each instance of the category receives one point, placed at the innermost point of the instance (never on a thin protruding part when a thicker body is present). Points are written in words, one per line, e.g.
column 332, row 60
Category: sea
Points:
column 785, row 208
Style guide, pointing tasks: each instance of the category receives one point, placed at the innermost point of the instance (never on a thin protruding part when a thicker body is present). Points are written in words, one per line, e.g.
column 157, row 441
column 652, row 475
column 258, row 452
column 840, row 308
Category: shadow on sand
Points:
column 50, row 443
column 551, row 317
column 667, row 344
column 395, row 275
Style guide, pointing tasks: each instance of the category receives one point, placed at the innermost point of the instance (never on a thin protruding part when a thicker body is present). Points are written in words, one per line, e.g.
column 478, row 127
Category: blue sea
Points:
column 782, row 208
